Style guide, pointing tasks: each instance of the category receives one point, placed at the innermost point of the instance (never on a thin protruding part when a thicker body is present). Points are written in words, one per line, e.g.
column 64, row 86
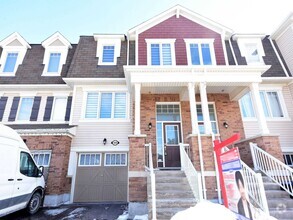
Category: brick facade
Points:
column 269, row 143
column 57, row 182
column 179, row 29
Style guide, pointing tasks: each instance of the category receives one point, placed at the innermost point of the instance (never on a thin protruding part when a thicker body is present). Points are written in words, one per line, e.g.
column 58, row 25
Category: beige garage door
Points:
column 101, row 177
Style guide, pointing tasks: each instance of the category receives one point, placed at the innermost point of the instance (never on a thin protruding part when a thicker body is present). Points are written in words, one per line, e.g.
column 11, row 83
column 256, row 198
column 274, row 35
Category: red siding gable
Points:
column 179, row 28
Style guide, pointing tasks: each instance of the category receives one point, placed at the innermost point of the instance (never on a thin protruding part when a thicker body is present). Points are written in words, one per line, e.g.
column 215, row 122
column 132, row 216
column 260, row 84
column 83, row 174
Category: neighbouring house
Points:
column 86, row 111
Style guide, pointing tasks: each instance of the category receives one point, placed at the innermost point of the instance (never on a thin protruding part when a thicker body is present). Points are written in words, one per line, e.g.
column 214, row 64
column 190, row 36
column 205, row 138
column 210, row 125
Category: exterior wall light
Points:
column 150, row 125
column 225, row 124
column 105, row 141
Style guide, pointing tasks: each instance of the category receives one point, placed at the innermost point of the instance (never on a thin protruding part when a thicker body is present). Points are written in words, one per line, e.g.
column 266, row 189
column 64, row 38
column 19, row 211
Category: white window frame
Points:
column 199, row 41
column 244, row 53
column 63, row 56
column 100, row 49
column 253, row 108
column 115, row 165
column 53, row 108
column 11, row 49
column 34, row 152
column 95, row 165
column 18, row 109
column 112, row 119
column 160, row 42
column 216, row 118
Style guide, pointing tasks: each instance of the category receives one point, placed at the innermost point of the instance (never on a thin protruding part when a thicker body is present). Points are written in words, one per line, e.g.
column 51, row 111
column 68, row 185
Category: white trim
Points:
column 89, row 165
column 73, row 105
column 233, row 53
column 160, row 42
column 224, row 48
column 33, row 152
column 115, row 165
column 19, row 107
column 53, row 108
column 199, row 41
column 244, row 41
column 101, row 42
column 101, row 149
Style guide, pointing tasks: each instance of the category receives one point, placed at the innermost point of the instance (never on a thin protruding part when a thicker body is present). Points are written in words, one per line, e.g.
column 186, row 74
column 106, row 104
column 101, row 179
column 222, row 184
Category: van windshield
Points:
column 27, row 165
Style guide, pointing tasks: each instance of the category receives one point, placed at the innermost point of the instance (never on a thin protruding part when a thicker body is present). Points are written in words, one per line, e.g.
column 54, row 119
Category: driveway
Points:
column 75, row 211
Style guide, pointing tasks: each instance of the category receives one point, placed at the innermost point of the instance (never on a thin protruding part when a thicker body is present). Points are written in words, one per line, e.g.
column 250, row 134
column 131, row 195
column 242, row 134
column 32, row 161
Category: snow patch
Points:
column 75, row 211
column 53, row 212
column 141, row 217
column 124, row 216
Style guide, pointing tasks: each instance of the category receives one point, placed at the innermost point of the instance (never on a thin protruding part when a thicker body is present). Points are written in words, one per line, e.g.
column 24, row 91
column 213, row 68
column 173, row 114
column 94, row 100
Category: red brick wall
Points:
column 179, row 28
column 57, row 182
column 137, row 189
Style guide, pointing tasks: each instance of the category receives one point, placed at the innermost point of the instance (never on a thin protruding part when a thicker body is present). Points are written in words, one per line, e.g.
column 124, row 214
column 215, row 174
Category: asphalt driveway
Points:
column 75, row 211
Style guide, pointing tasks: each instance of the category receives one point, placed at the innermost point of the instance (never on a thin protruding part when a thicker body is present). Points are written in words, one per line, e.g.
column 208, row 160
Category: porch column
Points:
column 193, row 112
column 137, row 88
column 254, row 88
column 205, row 108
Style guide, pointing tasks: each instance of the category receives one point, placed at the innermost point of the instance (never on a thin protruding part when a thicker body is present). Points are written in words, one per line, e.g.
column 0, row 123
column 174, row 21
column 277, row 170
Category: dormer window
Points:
column 252, row 54
column 161, row 52
column 200, row 51
column 56, row 50
column 10, row 62
column 54, row 62
column 108, row 48
column 14, row 50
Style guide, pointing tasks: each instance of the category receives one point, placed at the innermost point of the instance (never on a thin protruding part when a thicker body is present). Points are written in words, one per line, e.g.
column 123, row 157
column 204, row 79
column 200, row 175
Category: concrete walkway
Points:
column 73, row 211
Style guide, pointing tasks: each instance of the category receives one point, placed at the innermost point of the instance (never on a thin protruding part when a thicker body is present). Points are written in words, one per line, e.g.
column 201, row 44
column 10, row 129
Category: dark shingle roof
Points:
column 85, row 62
column 31, row 69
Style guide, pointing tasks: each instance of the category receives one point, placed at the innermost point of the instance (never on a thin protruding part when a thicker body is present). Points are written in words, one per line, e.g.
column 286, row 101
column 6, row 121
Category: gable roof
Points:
column 15, row 39
column 178, row 10
column 57, row 39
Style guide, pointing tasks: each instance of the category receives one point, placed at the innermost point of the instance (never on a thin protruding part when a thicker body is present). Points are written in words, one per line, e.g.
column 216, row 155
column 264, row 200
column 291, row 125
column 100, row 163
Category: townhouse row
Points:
column 86, row 110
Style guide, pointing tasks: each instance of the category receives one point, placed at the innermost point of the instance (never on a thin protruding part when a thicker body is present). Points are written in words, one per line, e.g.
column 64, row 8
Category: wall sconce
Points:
column 105, row 141
column 150, row 125
column 225, row 124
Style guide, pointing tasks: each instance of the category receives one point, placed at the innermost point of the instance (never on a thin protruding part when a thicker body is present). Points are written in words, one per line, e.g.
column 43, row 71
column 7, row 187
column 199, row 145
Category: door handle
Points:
column 165, row 150
column 10, row 179
column 19, row 179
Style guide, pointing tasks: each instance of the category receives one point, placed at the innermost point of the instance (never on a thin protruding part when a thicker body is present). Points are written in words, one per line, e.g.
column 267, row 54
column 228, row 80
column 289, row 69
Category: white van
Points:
column 22, row 183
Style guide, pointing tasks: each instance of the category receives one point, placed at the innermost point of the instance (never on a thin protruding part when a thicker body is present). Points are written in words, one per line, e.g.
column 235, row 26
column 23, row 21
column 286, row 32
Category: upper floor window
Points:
column 59, row 109
column 25, row 109
column 200, row 51
column 106, row 105
column 108, row 48
column 54, row 62
column 271, row 103
column 10, row 62
column 161, row 52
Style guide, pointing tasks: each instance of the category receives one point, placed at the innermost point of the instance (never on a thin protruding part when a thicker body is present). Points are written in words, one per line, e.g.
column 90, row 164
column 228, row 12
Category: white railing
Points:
column 193, row 177
column 255, row 188
column 277, row 171
column 153, row 180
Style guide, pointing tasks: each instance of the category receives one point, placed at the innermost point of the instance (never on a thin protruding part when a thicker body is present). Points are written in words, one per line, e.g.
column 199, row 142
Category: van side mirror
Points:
column 41, row 171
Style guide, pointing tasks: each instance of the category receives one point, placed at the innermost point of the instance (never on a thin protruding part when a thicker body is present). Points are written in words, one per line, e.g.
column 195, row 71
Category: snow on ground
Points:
column 141, row 217
column 124, row 216
column 53, row 212
column 78, row 210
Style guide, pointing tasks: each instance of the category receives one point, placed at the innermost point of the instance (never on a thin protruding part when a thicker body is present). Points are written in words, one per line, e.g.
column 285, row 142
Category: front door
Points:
column 172, row 138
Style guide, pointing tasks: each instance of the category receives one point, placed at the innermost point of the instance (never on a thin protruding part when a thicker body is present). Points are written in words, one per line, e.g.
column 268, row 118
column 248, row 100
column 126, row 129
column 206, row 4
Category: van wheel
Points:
column 34, row 204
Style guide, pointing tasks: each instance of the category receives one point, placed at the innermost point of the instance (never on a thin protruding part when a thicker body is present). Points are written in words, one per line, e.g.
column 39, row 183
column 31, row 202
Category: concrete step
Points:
column 170, row 173
column 175, row 203
column 271, row 186
column 172, row 186
column 280, row 202
column 282, row 213
column 175, row 194
column 171, row 179
column 167, row 213
column 272, row 194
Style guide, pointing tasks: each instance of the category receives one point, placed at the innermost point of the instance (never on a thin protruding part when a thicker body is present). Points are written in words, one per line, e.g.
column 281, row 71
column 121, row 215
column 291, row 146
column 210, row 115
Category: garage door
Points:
column 101, row 177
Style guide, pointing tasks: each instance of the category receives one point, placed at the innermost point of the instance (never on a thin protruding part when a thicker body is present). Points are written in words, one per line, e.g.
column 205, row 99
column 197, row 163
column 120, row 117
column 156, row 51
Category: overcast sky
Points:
column 36, row 20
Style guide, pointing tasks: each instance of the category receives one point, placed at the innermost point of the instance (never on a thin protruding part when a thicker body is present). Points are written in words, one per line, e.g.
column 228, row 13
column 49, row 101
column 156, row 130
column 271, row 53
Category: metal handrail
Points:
column 193, row 177
column 255, row 188
column 153, row 181
column 277, row 171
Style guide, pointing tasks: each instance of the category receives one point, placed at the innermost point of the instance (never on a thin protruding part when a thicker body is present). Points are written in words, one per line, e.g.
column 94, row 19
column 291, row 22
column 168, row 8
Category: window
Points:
column 42, row 158
column 252, row 54
column 170, row 112
column 288, row 158
column 246, row 106
column 213, row 118
column 25, row 109
column 200, row 51
column 89, row 159
column 10, row 62
column 108, row 54
column 54, row 61
column 59, row 109
column 161, row 52
column 106, row 105
column 115, row 159
column 271, row 104
column 27, row 165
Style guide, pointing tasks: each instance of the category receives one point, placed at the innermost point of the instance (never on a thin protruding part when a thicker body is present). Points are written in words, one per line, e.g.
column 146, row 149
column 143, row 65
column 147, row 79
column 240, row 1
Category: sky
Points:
column 36, row 20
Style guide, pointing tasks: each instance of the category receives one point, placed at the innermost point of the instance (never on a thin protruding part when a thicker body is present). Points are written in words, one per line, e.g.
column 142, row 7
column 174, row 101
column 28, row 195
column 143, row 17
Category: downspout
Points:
column 233, row 54
column 278, row 56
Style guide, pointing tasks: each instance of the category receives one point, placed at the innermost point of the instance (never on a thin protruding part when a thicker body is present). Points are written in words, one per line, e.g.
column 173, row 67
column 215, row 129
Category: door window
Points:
column 172, row 134
column 27, row 165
